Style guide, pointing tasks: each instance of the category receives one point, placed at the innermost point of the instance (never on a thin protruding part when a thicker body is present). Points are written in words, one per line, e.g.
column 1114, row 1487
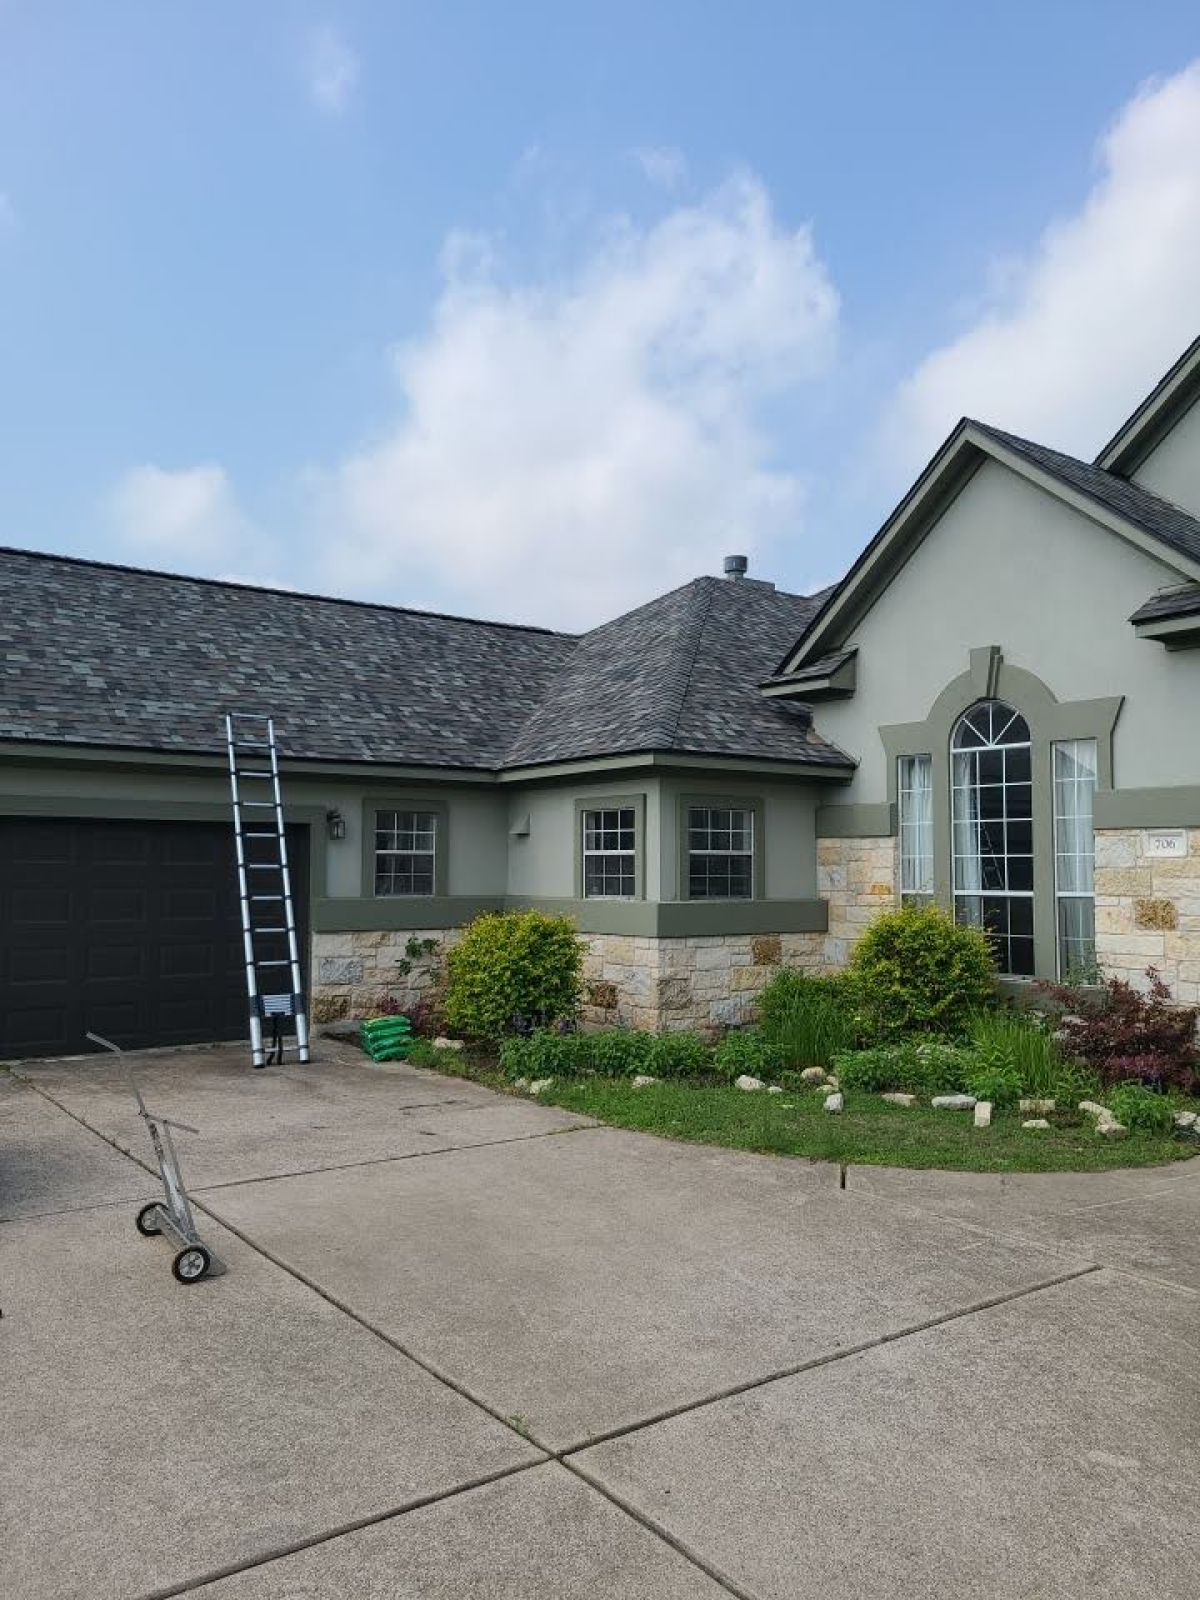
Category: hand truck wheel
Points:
column 144, row 1221
column 191, row 1263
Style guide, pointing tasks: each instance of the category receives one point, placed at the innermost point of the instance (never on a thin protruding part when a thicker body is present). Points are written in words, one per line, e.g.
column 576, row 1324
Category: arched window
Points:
column 991, row 775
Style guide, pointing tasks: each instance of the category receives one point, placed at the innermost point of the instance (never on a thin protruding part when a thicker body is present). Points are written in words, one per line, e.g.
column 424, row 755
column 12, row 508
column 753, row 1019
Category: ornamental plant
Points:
column 512, row 971
column 1122, row 1033
column 1141, row 1109
column 917, row 971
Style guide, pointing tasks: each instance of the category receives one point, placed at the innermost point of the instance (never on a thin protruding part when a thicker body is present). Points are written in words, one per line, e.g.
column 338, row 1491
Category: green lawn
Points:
column 869, row 1132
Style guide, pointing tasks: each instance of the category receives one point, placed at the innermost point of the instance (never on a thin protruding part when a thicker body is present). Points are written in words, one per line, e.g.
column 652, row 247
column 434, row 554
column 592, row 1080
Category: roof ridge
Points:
column 701, row 622
column 243, row 587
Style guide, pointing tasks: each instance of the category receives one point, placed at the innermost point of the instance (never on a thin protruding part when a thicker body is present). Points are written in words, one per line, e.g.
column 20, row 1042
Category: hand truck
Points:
column 193, row 1259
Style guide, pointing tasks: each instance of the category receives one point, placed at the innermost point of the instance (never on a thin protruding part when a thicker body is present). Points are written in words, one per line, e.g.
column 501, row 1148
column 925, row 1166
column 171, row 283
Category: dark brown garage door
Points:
column 129, row 929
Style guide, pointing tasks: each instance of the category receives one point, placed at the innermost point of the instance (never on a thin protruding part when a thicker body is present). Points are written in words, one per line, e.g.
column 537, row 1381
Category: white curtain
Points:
column 916, row 825
column 968, row 859
column 1074, row 835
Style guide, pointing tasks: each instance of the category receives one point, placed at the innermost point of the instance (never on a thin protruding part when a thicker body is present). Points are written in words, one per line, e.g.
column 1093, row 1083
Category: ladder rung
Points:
column 270, row 803
column 251, row 744
column 260, row 833
column 264, row 866
column 252, row 772
column 266, row 897
column 272, row 963
column 257, row 931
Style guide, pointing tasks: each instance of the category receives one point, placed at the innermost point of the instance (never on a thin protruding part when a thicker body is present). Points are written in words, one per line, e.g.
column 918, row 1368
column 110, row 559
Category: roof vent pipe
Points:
column 735, row 567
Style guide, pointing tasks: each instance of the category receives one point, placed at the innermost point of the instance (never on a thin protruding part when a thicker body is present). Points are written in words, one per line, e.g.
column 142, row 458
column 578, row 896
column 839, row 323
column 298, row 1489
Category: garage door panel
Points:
column 130, row 929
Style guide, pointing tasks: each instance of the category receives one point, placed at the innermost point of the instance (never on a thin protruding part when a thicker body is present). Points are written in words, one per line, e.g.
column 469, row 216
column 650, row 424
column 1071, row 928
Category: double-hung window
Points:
column 720, row 852
column 610, row 853
column 915, row 792
column 405, row 851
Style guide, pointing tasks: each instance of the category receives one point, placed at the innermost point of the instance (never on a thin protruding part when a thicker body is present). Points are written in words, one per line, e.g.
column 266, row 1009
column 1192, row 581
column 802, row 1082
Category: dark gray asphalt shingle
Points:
column 680, row 674
column 93, row 654
column 1174, row 527
column 99, row 655
column 1181, row 602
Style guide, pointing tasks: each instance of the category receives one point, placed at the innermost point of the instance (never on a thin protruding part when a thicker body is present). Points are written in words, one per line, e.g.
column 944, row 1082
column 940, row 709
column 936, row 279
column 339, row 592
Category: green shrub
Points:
column 930, row 1067
column 680, row 1055
column 543, row 1054
column 748, row 1053
column 1141, row 1110
column 810, row 1019
column 917, row 971
column 511, row 971
column 1023, row 1040
column 618, row 1052
column 1074, row 1082
column 993, row 1076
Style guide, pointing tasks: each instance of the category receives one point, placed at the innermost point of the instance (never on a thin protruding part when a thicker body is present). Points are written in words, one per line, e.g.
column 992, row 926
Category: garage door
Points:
column 129, row 929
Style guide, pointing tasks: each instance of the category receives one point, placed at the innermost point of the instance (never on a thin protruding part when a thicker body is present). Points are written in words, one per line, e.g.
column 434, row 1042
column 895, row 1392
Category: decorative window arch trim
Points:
column 1050, row 720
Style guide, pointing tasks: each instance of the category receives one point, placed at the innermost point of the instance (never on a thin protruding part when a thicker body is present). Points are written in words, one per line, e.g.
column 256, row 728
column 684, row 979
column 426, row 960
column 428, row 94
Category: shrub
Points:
column 917, row 971
column 1074, row 1082
column 748, row 1053
column 680, row 1055
column 993, row 1076
column 926, row 1068
column 1122, row 1033
column 1141, row 1109
column 1022, row 1041
column 618, row 1052
column 543, row 1054
column 511, row 970
column 810, row 1019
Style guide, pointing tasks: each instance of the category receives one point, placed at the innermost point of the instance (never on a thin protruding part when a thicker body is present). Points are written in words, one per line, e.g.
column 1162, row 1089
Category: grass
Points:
column 869, row 1132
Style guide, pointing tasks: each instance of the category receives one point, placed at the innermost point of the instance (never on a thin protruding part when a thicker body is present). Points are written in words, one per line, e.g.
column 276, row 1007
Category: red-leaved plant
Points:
column 1123, row 1032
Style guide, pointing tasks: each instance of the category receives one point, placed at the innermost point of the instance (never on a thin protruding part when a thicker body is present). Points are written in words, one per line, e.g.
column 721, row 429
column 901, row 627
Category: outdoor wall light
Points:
column 335, row 825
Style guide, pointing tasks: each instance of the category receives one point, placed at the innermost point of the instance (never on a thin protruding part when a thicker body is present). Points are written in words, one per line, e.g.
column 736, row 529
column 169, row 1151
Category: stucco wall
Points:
column 1173, row 469
column 1010, row 565
column 789, row 837
column 541, row 864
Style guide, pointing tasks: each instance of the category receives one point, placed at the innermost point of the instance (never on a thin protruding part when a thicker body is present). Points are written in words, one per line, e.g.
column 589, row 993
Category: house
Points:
column 998, row 708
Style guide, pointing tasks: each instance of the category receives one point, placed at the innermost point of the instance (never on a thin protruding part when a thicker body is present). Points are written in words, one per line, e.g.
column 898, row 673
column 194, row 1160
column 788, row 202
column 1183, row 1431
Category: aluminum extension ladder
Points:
column 265, row 886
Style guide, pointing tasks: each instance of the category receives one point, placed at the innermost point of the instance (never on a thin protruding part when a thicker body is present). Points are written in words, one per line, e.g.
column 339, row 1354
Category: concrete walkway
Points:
column 473, row 1346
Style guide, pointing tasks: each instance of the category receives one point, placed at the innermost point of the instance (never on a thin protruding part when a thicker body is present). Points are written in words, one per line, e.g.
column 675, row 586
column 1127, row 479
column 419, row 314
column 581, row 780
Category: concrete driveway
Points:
column 473, row 1346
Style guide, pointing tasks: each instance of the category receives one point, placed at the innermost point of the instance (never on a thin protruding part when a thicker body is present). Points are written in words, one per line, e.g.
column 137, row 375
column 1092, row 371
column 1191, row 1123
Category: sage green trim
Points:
column 138, row 810
column 651, row 761
column 746, row 802
column 839, row 684
column 1049, row 720
column 1177, row 807
column 413, row 801
column 680, row 919
column 865, row 821
column 403, row 913
column 612, row 803
column 120, row 759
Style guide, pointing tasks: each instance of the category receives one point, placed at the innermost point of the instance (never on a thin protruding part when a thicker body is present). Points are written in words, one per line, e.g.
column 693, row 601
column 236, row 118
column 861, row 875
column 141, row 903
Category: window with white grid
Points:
column 405, row 852
column 915, row 794
column 1075, row 767
column 720, row 853
column 610, row 853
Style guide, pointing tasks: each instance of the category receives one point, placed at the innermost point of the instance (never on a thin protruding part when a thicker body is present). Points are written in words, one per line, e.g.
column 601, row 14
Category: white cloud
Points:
column 189, row 518
column 332, row 69
column 568, row 448
column 1077, row 332
column 661, row 164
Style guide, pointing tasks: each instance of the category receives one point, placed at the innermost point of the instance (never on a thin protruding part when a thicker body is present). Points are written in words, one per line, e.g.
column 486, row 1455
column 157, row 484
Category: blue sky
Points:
column 534, row 310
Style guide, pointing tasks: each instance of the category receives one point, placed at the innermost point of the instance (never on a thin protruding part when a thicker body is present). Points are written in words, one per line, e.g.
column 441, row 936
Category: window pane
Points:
column 915, row 788
column 1075, row 767
column 609, row 854
column 405, row 849
column 992, row 830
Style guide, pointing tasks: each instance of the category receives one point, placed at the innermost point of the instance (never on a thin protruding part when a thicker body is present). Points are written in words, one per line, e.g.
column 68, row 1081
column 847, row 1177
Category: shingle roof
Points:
column 820, row 668
column 680, row 674
column 1180, row 602
column 1173, row 526
column 101, row 655
column 93, row 654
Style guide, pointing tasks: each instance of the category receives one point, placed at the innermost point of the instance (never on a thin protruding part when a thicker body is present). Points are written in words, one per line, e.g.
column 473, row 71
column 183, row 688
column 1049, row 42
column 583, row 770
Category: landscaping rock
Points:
column 1109, row 1128
column 539, row 1084
column 1036, row 1122
column 520, row 1083
column 953, row 1102
column 983, row 1113
column 1036, row 1106
column 835, row 1102
column 448, row 1044
column 832, row 1081
column 643, row 1080
column 813, row 1075
column 827, row 1088
column 894, row 1097
column 1186, row 1119
column 1093, row 1110
column 747, row 1082
column 773, row 1088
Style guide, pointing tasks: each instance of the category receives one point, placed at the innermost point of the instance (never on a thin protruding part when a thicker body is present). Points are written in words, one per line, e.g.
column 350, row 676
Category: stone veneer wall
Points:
column 1148, row 912
column 352, row 970
column 858, row 878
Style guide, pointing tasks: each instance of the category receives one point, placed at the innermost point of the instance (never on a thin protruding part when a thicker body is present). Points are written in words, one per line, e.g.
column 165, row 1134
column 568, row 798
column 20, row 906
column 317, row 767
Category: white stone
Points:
column 832, row 1081
column 897, row 1099
column 983, row 1113
column 539, row 1084
column 953, row 1102
column 773, row 1088
column 643, row 1080
column 447, row 1044
column 747, row 1082
column 1037, row 1106
column 1109, row 1128
column 827, row 1088
column 813, row 1075
column 1186, row 1119
column 1092, row 1109
column 520, row 1083
column 835, row 1102
column 1036, row 1122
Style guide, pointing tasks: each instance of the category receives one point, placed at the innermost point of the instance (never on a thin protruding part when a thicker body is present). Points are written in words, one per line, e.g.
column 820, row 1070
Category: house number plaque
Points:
column 1162, row 842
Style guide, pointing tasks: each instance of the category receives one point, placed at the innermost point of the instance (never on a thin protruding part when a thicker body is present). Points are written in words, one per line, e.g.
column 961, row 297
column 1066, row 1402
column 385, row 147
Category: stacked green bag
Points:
column 387, row 1038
